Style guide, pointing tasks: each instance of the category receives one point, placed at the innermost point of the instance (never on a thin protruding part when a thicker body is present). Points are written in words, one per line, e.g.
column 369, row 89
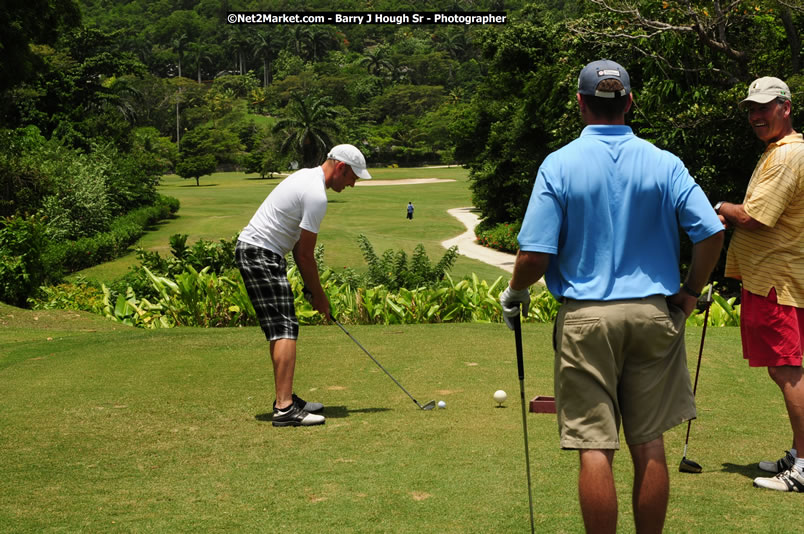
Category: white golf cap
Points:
column 352, row 156
column 767, row 89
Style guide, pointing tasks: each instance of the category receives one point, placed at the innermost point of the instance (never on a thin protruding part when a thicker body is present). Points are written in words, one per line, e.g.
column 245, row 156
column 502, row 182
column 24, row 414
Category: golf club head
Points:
column 688, row 466
column 429, row 406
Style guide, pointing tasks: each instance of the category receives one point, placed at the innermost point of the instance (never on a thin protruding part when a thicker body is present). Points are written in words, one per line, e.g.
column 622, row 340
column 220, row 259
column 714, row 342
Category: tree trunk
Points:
column 178, row 132
column 792, row 38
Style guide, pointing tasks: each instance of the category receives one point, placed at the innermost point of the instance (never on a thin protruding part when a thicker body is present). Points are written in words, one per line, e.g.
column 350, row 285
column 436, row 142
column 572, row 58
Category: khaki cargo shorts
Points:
column 620, row 361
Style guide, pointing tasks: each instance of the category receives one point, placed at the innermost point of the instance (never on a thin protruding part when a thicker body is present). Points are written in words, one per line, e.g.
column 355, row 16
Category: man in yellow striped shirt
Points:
column 767, row 254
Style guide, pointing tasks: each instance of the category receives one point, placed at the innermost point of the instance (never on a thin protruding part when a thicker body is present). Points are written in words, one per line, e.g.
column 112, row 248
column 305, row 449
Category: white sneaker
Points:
column 790, row 480
column 782, row 464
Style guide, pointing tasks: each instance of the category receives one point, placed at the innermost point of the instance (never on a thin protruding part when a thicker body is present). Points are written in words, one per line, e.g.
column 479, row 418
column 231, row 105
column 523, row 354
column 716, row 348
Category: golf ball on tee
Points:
column 442, row 404
column 500, row 396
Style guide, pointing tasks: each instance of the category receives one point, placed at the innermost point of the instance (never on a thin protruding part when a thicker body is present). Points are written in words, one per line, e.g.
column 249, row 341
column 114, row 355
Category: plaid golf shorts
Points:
column 265, row 275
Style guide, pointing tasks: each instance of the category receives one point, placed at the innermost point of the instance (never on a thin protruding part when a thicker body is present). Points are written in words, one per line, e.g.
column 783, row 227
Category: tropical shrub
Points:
column 79, row 295
column 206, row 299
column 22, row 267
column 501, row 236
column 394, row 271
column 218, row 257
column 722, row 312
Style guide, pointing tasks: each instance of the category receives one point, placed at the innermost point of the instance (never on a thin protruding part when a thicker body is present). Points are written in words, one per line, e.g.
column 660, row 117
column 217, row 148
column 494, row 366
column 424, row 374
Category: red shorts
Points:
column 772, row 333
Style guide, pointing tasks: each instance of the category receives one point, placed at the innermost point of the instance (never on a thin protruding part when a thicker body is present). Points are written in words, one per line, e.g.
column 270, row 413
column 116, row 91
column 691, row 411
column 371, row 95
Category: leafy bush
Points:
column 393, row 270
column 23, row 184
column 218, row 257
column 22, row 267
column 73, row 255
column 79, row 295
column 203, row 298
column 500, row 237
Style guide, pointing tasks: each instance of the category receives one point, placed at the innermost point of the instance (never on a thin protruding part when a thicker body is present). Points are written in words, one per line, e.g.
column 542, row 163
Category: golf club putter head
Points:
column 688, row 466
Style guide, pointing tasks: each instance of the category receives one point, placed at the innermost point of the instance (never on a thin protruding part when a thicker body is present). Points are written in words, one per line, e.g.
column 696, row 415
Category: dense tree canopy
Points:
column 690, row 64
column 121, row 91
column 30, row 22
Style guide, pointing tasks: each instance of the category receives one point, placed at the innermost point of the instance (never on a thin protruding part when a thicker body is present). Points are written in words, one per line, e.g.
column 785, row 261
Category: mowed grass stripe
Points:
column 168, row 431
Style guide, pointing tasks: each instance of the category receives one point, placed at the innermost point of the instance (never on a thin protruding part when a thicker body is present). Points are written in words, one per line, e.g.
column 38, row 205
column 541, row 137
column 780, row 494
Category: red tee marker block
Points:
column 543, row 404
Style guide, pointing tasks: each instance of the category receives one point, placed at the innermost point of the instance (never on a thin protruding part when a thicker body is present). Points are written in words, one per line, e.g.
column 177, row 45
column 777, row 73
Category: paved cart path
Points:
column 467, row 246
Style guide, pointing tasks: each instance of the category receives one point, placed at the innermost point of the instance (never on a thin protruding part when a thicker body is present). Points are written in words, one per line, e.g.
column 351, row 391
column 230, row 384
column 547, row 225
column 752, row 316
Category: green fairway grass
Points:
column 106, row 428
column 224, row 203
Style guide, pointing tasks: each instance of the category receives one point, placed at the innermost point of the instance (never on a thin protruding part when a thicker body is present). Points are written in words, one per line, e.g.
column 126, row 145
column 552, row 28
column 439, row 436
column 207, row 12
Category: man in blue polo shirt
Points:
column 602, row 226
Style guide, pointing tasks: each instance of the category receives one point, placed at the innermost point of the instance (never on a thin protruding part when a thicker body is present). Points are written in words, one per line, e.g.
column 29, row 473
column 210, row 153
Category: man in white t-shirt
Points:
column 288, row 221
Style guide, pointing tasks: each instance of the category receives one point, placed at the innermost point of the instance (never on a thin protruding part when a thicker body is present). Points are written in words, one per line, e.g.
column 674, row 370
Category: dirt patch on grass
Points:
column 11, row 317
column 410, row 181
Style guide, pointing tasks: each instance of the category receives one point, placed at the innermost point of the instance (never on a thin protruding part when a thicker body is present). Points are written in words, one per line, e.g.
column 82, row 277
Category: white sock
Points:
column 799, row 465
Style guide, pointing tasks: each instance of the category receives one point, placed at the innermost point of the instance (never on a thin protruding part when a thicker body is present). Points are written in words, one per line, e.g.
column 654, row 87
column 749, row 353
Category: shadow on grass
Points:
column 330, row 412
column 749, row 471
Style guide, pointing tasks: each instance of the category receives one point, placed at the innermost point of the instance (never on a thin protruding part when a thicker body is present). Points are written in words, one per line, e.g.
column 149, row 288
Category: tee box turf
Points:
column 543, row 404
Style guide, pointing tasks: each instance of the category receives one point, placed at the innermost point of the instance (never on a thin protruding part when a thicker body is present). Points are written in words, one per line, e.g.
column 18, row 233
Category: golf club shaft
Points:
column 521, row 369
column 375, row 360
column 703, row 338
column 698, row 366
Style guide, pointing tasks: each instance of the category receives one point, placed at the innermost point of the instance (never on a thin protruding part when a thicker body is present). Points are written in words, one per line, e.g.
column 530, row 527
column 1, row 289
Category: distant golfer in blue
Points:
column 410, row 211
column 602, row 226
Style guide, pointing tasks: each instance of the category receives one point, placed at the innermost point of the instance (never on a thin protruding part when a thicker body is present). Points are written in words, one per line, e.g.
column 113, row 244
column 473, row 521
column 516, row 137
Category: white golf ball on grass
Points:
column 442, row 404
column 500, row 396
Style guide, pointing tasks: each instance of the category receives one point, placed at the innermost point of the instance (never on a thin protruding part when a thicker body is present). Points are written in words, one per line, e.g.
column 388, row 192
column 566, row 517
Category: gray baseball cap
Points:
column 597, row 71
column 767, row 89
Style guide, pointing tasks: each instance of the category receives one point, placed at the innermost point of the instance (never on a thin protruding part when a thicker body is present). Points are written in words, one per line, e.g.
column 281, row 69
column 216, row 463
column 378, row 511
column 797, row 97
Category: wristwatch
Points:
column 717, row 206
column 686, row 289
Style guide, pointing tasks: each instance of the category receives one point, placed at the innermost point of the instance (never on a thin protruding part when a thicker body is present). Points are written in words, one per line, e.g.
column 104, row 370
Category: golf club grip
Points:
column 520, row 364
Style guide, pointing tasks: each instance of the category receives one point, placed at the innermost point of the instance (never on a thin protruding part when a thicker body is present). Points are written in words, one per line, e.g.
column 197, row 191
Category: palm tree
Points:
column 321, row 40
column 307, row 127
column 454, row 42
column 376, row 62
column 238, row 40
column 264, row 48
column 118, row 95
column 198, row 55
column 302, row 37
column 177, row 43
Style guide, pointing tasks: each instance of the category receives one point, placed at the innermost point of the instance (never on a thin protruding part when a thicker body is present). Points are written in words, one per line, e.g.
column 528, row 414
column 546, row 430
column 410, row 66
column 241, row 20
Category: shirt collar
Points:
column 607, row 129
column 792, row 138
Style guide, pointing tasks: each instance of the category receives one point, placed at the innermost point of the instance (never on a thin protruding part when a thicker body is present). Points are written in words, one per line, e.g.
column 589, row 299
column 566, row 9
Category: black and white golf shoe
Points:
column 295, row 416
column 789, row 480
column 309, row 407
